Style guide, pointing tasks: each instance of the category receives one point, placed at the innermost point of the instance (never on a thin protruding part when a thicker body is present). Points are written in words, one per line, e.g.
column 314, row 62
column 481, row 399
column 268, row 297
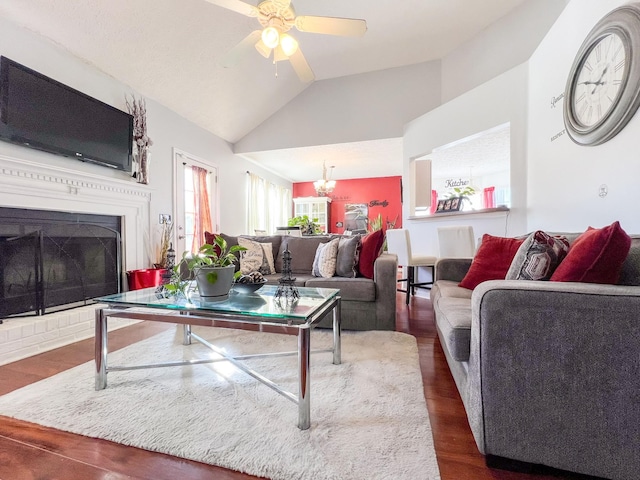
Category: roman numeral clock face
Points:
column 602, row 92
column 599, row 80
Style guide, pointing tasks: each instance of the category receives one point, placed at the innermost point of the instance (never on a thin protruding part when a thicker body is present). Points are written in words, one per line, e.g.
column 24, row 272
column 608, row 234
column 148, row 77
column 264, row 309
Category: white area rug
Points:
column 368, row 415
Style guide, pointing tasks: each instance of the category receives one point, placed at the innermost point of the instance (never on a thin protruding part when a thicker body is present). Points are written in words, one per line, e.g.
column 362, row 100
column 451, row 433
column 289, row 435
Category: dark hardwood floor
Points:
column 29, row 451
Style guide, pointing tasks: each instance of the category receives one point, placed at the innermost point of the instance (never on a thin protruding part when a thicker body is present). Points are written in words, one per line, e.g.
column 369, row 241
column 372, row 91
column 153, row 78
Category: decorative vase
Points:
column 214, row 283
column 141, row 164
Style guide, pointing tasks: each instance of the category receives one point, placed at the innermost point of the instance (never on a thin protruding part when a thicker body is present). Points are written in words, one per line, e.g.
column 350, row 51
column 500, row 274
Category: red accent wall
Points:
column 383, row 195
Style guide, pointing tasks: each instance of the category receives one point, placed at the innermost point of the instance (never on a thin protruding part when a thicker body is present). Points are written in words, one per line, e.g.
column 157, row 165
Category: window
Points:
column 269, row 205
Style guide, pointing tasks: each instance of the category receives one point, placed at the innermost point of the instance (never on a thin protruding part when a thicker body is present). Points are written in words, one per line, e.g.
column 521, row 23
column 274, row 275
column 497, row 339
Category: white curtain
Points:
column 269, row 205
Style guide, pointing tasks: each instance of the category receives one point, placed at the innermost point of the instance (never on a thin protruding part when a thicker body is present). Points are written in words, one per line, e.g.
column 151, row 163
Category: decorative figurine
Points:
column 286, row 289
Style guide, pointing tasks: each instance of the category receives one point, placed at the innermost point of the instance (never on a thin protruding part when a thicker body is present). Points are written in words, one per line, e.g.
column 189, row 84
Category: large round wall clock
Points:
column 603, row 88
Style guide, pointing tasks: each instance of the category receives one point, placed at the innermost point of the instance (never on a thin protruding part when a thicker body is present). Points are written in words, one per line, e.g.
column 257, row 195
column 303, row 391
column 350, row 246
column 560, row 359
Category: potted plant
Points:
column 307, row 226
column 213, row 269
column 463, row 194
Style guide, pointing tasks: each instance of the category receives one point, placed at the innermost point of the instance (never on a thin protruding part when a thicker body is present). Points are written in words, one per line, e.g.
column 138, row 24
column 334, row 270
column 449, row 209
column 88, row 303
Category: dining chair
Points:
column 399, row 242
column 456, row 242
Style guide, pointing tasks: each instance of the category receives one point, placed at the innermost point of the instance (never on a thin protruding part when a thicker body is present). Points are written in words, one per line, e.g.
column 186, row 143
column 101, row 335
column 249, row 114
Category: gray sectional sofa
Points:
column 367, row 304
column 549, row 372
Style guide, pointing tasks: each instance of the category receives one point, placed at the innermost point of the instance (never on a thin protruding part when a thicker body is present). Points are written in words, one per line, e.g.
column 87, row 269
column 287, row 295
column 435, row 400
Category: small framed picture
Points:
column 447, row 205
column 440, row 207
column 456, row 203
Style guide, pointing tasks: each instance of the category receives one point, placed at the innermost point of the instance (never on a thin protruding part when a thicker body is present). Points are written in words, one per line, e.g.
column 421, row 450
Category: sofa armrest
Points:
column 453, row 269
column 557, row 364
column 385, row 276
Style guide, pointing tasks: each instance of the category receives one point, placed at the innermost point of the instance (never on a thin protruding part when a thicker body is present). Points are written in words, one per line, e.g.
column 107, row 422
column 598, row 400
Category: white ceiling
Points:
column 167, row 50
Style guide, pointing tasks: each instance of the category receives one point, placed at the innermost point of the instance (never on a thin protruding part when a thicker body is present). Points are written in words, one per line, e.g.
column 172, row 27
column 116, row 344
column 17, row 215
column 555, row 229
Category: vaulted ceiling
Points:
column 168, row 50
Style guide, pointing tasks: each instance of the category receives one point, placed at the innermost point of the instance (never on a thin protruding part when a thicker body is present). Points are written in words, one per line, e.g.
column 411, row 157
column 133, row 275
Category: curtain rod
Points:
column 184, row 164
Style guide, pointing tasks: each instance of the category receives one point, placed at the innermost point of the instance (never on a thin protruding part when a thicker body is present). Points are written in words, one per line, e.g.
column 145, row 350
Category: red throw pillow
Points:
column 210, row 238
column 596, row 256
column 369, row 251
column 492, row 261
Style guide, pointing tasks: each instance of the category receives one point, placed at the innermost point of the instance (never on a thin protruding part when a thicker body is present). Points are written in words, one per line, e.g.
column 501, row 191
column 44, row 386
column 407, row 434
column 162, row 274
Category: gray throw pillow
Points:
column 348, row 255
column 303, row 252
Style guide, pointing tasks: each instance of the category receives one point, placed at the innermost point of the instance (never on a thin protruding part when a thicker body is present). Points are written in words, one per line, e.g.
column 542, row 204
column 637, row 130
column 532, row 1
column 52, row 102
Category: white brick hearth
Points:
column 27, row 336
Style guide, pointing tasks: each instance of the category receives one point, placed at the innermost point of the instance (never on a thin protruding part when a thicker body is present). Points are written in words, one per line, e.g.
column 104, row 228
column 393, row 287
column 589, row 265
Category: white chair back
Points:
column 456, row 242
column 398, row 242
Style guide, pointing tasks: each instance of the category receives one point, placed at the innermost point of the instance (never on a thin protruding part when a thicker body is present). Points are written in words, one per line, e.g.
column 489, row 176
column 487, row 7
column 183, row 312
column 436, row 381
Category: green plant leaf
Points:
column 212, row 277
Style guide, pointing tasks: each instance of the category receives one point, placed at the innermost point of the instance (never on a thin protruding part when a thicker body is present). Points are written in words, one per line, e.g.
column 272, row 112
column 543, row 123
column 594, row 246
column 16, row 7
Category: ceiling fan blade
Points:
column 237, row 6
column 279, row 55
column 263, row 49
column 348, row 27
column 301, row 67
column 233, row 56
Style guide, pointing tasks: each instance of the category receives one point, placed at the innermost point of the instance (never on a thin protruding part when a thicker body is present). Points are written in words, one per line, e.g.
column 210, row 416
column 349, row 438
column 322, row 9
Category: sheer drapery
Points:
column 201, row 207
column 269, row 205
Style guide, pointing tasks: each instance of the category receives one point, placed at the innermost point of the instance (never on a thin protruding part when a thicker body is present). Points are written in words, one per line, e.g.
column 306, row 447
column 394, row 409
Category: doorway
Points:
column 188, row 213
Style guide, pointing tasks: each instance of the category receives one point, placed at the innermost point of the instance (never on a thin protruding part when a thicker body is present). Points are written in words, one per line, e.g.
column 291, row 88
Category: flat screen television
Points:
column 39, row 112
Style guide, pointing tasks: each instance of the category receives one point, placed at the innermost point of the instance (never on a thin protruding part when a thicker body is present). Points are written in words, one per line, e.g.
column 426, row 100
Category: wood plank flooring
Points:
column 30, row 452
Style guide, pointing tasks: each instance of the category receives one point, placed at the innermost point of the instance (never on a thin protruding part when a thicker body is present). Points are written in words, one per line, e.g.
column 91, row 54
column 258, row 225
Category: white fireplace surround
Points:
column 33, row 185
column 28, row 184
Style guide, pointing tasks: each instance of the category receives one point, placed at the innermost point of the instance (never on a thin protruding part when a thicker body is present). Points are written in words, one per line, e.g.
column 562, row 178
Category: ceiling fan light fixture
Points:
column 288, row 44
column 271, row 37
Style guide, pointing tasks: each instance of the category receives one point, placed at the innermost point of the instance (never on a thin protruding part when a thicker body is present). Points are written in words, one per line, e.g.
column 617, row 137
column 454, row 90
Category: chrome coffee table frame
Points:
column 121, row 308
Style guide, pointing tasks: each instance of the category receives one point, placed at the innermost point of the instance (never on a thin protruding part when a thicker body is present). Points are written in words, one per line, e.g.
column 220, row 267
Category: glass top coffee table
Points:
column 260, row 308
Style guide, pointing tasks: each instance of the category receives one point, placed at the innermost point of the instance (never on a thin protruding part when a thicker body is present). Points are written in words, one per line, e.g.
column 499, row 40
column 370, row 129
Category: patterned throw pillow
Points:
column 324, row 264
column 538, row 257
column 258, row 257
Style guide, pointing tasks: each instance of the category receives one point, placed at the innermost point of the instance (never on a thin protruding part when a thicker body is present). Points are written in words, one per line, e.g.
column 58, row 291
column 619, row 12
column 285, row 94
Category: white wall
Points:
column 356, row 108
column 165, row 127
column 499, row 101
column 505, row 44
column 564, row 178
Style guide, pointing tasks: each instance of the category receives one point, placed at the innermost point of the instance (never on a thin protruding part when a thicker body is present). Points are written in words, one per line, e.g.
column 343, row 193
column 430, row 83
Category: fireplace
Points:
column 51, row 261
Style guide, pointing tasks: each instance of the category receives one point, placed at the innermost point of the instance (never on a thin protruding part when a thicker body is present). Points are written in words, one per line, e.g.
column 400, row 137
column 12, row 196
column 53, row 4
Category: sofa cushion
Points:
column 324, row 263
column 492, row 260
column 299, row 280
column 303, row 252
column 453, row 317
column 630, row 274
column 450, row 289
column 258, row 257
column 371, row 249
column 360, row 289
column 596, row 256
column 348, row 256
column 538, row 257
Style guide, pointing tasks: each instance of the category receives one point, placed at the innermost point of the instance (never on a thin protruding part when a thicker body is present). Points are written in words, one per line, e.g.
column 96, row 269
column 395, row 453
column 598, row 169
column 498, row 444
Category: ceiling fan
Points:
column 277, row 17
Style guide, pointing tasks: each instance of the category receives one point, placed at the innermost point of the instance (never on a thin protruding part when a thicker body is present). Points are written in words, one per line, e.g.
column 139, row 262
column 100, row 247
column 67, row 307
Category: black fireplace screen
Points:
column 49, row 263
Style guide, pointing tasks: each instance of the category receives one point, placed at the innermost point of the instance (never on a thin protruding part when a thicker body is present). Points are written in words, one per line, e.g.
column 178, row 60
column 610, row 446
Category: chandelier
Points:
column 324, row 186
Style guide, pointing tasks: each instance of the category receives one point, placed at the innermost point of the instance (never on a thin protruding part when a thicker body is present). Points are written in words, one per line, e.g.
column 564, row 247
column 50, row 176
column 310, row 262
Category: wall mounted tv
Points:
column 39, row 112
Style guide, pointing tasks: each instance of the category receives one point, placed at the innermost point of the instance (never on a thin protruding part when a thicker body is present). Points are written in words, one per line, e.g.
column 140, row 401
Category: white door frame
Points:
column 180, row 157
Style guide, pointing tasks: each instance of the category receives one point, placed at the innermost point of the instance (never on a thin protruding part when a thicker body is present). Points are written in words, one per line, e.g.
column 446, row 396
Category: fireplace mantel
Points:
column 29, row 184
